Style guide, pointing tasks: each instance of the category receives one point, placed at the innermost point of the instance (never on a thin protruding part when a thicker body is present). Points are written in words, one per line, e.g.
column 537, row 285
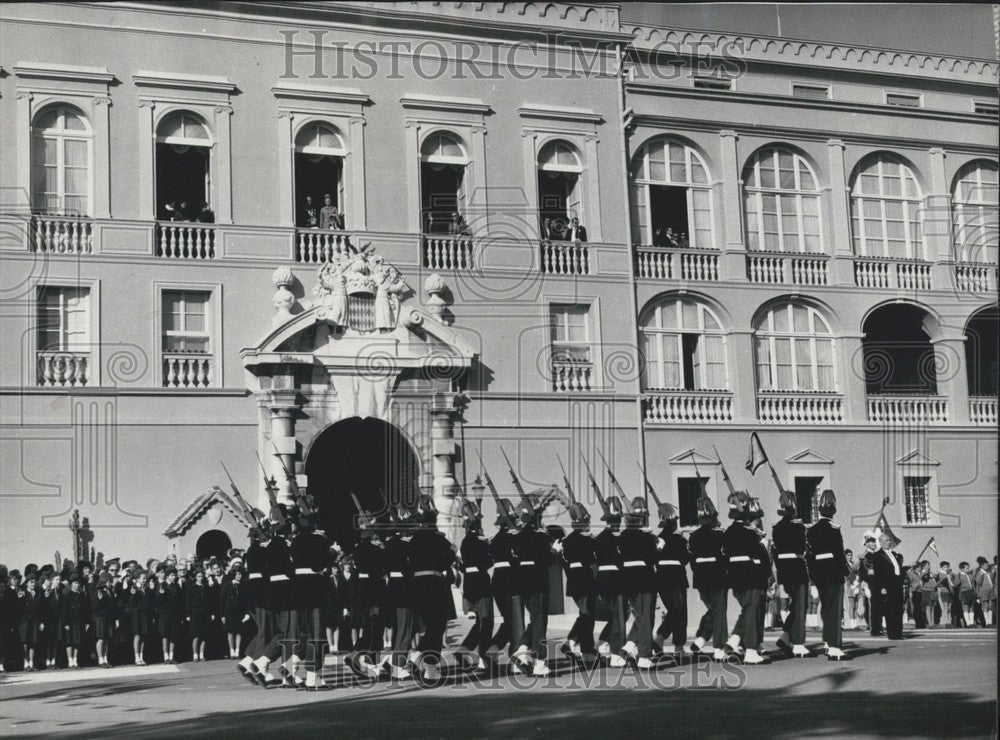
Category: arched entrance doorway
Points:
column 899, row 356
column 214, row 543
column 369, row 457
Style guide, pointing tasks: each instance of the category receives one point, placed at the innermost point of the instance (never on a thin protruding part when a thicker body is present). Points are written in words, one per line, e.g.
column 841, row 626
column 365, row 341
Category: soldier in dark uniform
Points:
column 368, row 592
column 399, row 591
column 672, row 581
column 741, row 545
column 504, row 565
column 255, row 597
column 533, row 550
column 637, row 548
column 828, row 567
column 708, row 570
column 578, row 560
column 310, row 550
column 280, row 571
column 763, row 573
column 476, row 561
column 608, row 583
column 432, row 558
column 788, row 544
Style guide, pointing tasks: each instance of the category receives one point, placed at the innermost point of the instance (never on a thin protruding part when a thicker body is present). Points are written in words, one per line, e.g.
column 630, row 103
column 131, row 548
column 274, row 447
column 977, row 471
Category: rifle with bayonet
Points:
column 571, row 499
column 502, row 514
column 525, row 501
column 725, row 473
column 649, row 486
column 302, row 501
column 597, row 488
column 626, row 503
column 255, row 524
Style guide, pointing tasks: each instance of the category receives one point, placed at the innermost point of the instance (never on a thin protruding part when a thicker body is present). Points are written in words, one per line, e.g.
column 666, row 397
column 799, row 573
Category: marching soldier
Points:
column 763, row 574
column 280, row 571
column 608, row 583
column 828, row 567
column 504, row 565
column 369, row 596
column 741, row 545
column 255, row 593
column 399, row 591
column 310, row 550
column 672, row 581
column 788, row 543
column 477, row 559
column 533, row 549
column 708, row 569
column 638, row 553
column 578, row 560
column 432, row 557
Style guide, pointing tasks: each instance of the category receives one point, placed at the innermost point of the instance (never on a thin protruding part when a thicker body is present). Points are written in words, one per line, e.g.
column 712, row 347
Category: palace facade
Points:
column 787, row 236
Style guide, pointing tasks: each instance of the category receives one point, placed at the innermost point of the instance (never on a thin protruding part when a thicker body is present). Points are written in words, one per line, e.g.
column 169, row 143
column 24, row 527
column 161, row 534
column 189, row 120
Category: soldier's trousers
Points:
column 582, row 630
column 750, row 624
column 675, row 615
column 831, row 608
column 311, row 636
column 434, row 615
column 538, row 624
column 714, row 625
column 643, row 606
column 286, row 629
column 372, row 628
column 403, row 630
column 614, row 631
column 876, row 612
column 481, row 635
column 509, row 633
column 798, row 605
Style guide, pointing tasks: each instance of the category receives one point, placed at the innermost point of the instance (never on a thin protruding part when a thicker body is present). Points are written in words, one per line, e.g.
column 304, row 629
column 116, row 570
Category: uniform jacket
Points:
column 741, row 545
column 533, row 548
column 708, row 564
column 310, row 555
column 368, row 580
column 788, row 545
column 826, row 559
column 477, row 559
column 254, row 585
column 432, row 558
column 504, row 563
column 639, row 555
column 280, row 571
column 672, row 560
column 399, row 586
column 609, row 563
column 578, row 560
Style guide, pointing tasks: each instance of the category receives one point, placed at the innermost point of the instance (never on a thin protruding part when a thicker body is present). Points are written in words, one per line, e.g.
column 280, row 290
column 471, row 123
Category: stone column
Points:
column 740, row 358
column 839, row 234
column 937, row 225
column 851, row 361
column 284, row 408
column 952, row 376
column 733, row 262
column 444, row 412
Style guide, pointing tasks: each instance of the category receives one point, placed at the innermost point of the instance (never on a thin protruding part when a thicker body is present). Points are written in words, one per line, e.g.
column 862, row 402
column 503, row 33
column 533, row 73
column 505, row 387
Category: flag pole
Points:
column 929, row 543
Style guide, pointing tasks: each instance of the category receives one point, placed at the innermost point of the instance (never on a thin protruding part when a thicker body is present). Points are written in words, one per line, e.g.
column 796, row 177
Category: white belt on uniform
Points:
column 395, row 574
column 756, row 561
column 607, row 567
column 704, row 560
column 255, row 575
column 527, row 562
column 501, row 564
column 428, row 573
column 788, row 555
column 304, row 571
column 634, row 563
column 739, row 558
column 279, row 578
column 471, row 569
column 824, row 556
column 362, row 575
column 669, row 562
column 576, row 565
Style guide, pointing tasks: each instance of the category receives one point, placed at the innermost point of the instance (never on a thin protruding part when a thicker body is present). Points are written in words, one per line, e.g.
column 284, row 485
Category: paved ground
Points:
column 934, row 683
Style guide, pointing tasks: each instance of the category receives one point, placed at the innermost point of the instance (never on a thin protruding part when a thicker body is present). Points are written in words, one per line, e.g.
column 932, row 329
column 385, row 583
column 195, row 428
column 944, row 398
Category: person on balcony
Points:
column 670, row 238
column 682, row 241
column 309, row 214
column 576, row 232
column 457, row 226
column 206, row 215
column 329, row 216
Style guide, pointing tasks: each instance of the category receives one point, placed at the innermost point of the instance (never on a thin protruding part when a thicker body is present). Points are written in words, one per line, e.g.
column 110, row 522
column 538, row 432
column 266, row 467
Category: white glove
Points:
column 814, row 591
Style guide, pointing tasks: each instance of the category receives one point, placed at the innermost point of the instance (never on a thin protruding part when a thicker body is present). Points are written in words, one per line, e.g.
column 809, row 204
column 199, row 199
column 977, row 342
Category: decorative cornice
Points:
column 63, row 72
column 554, row 113
column 296, row 91
column 754, row 48
column 204, row 83
column 451, row 105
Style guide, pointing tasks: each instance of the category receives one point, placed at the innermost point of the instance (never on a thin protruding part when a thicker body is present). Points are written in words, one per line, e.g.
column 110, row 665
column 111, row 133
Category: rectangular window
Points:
column 186, row 321
column 63, row 319
column 902, row 100
column 712, row 83
column 812, row 92
column 688, row 492
column 807, row 497
column 984, row 108
column 570, row 325
column 916, row 496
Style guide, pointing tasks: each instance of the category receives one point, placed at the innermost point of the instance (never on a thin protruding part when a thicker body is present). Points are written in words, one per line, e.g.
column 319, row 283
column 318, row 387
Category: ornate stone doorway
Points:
column 369, row 457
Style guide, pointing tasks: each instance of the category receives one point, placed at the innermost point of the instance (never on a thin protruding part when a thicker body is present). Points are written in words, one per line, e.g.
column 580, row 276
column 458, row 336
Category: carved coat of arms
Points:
column 359, row 292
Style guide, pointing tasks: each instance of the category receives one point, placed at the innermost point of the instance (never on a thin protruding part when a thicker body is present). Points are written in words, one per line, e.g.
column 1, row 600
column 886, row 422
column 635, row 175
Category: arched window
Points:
column 319, row 181
column 683, row 346
column 781, row 199
column 560, row 188
column 670, row 196
column 886, row 209
column 975, row 200
column 794, row 350
column 183, row 168
column 60, row 161
column 443, row 162
column 982, row 351
column 899, row 358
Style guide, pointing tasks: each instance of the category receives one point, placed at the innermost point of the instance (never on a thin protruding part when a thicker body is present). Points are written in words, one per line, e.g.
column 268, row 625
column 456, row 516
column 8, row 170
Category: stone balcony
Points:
column 788, row 269
column 892, row 274
column 686, row 407
column 675, row 263
column 908, row 409
column 800, row 408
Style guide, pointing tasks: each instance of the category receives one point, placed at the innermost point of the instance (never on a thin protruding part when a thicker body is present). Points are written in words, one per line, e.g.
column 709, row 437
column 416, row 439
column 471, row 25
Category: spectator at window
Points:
column 576, row 232
column 670, row 237
column 557, row 229
column 457, row 226
column 329, row 217
column 682, row 241
column 206, row 215
column 547, row 231
column 309, row 215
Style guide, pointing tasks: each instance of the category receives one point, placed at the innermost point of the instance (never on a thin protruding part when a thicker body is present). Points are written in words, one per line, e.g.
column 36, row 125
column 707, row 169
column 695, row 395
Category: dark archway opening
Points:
column 898, row 355
column 441, row 193
column 369, row 457
column 317, row 176
column 181, row 181
column 982, row 352
column 214, row 543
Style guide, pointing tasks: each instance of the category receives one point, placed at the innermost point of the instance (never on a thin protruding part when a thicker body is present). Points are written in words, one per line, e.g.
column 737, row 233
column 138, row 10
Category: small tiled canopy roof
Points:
column 196, row 509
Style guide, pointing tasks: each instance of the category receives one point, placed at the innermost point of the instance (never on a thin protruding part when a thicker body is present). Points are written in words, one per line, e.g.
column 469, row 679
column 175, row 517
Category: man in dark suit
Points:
column 827, row 569
column 575, row 232
column 866, row 570
column 884, row 575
